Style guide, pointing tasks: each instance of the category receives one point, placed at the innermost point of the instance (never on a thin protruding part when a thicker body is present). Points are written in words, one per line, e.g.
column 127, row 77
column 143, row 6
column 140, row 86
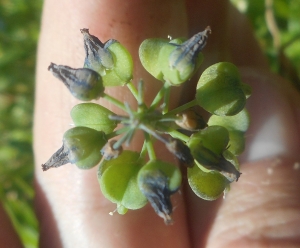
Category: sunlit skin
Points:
column 262, row 208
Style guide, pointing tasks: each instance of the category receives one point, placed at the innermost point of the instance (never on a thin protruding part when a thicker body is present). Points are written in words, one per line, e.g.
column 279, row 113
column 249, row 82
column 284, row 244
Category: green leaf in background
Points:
column 19, row 31
column 284, row 57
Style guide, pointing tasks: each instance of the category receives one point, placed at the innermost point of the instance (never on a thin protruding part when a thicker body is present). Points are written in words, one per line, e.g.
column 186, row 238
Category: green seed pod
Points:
column 84, row 84
column 236, row 125
column 148, row 53
column 208, row 146
column 207, row 185
column 185, row 58
column 84, row 145
column 220, row 90
column 122, row 72
column 118, row 181
column 81, row 146
column 175, row 61
column 94, row 116
column 111, row 60
column 176, row 74
column 157, row 180
column 214, row 138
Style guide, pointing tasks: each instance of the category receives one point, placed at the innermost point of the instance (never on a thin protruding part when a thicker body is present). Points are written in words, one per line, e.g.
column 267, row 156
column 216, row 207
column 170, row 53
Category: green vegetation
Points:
column 19, row 25
column 278, row 32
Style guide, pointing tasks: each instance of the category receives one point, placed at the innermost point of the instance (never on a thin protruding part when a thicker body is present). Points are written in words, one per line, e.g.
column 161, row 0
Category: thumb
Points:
column 263, row 207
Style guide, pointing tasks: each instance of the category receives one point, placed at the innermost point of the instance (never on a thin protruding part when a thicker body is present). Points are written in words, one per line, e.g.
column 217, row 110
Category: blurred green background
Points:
column 277, row 28
column 19, row 27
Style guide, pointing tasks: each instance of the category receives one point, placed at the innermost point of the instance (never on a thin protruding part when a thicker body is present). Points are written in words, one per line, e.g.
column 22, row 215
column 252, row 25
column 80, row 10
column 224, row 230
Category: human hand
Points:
column 262, row 208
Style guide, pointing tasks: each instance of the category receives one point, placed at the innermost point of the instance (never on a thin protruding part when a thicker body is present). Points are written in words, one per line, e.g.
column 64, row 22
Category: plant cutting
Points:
column 207, row 149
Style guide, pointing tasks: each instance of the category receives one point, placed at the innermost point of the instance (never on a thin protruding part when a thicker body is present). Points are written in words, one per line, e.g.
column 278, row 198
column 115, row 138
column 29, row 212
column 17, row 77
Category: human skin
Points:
column 262, row 208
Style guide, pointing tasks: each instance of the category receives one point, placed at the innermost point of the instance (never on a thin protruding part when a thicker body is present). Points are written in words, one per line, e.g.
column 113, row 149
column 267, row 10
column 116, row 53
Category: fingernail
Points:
column 273, row 129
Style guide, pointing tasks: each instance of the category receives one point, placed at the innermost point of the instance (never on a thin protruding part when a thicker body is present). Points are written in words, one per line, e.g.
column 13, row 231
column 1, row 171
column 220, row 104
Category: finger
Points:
column 231, row 40
column 266, row 194
column 263, row 207
column 70, row 199
column 264, row 184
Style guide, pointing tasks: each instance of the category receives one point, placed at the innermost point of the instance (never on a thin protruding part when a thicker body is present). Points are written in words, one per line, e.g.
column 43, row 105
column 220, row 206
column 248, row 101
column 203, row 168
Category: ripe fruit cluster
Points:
column 207, row 148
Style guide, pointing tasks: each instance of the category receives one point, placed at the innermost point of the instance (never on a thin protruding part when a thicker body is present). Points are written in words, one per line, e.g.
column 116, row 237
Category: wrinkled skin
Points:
column 261, row 210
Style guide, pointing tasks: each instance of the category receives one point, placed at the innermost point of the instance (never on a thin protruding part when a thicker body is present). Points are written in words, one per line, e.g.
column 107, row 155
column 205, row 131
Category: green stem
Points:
column 133, row 90
column 153, row 133
column 141, row 100
column 157, row 98
column 122, row 139
column 143, row 150
column 114, row 101
column 130, row 136
column 117, row 132
column 141, row 92
column 178, row 135
column 182, row 108
column 166, row 99
column 150, row 148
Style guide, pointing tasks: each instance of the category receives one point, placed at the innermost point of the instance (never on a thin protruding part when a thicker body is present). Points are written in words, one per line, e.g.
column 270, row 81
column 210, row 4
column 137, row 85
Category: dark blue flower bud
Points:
column 84, row 84
column 154, row 185
column 98, row 57
column 184, row 56
column 179, row 61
